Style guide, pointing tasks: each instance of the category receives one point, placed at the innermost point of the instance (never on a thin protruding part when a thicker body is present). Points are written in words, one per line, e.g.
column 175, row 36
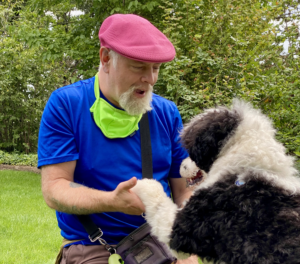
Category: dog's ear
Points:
column 205, row 134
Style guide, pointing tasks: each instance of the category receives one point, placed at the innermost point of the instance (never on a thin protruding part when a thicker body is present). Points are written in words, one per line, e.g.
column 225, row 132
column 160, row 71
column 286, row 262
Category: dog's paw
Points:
column 148, row 190
column 188, row 168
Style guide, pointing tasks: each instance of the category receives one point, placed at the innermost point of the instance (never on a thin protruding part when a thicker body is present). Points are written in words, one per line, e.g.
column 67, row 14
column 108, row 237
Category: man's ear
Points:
column 105, row 59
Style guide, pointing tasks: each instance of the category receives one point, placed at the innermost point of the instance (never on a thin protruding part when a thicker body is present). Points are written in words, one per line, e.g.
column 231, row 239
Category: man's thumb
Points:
column 130, row 183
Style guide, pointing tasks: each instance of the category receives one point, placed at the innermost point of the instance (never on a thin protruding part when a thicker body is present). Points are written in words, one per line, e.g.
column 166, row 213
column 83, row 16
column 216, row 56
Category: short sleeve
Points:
column 178, row 152
column 56, row 143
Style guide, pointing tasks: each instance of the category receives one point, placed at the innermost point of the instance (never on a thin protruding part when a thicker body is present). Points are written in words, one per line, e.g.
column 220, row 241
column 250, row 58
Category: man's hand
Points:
column 126, row 201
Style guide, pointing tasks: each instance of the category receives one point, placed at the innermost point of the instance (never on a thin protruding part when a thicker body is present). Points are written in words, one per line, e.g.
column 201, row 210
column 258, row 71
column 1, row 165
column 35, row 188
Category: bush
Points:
column 228, row 49
column 18, row 159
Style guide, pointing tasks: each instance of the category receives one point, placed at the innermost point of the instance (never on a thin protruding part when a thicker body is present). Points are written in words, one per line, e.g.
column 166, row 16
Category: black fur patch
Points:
column 250, row 224
column 204, row 137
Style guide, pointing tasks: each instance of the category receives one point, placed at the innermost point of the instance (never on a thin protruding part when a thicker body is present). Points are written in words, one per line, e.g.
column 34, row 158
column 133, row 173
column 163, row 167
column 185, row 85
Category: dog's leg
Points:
column 160, row 210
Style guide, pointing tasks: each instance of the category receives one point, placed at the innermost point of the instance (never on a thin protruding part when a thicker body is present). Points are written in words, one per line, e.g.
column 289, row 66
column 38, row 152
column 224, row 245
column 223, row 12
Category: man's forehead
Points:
column 141, row 62
column 146, row 63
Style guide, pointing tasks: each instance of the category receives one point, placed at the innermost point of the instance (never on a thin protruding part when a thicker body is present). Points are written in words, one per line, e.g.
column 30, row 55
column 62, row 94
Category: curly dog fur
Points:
column 247, row 209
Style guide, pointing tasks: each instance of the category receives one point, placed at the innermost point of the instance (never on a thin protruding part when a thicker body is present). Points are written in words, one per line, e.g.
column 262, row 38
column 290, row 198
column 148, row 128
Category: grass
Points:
column 28, row 228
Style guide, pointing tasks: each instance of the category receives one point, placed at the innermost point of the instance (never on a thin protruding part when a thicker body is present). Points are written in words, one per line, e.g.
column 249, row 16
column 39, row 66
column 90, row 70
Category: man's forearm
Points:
column 73, row 198
column 63, row 194
column 182, row 199
column 183, row 196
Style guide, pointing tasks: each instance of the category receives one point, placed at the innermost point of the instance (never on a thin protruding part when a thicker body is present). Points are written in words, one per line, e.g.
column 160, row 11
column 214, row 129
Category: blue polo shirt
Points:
column 68, row 132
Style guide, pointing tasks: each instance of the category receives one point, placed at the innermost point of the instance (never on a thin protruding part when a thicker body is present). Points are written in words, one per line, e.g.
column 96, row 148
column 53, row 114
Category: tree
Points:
column 225, row 49
column 229, row 49
column 26, row 81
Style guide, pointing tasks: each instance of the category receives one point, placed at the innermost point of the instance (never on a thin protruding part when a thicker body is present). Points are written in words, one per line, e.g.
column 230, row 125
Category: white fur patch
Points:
column 188, row 168
column 160, row 209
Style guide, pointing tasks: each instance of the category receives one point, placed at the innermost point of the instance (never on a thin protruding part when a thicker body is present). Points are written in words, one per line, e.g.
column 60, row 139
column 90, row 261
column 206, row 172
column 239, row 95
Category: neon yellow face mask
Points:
column 114, row 123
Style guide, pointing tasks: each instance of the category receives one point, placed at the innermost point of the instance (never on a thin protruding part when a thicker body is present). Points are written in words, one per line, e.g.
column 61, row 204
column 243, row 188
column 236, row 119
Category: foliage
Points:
column 18, row 159
column 282, row 101
column 44, row 47
column 225, row 49
column 232, row 48
column 28, row 229
column 26, row 82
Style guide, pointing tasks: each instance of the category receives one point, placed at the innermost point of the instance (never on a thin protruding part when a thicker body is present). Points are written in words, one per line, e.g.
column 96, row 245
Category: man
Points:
column 89, row 139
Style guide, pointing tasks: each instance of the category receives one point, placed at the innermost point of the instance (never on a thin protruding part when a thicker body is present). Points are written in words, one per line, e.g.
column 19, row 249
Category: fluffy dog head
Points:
column 234, row 139
column 205, row 134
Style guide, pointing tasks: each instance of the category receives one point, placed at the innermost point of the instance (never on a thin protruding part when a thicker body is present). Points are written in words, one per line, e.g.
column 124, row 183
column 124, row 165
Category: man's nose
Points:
column 150, row 77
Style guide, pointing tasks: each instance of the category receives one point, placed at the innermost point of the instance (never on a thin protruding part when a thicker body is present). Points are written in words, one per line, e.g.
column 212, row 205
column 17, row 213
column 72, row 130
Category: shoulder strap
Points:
column 147, row 166
column 90, row 227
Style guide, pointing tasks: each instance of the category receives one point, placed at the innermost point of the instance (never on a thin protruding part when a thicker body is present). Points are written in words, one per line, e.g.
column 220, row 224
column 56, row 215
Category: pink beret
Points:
column 135, row 38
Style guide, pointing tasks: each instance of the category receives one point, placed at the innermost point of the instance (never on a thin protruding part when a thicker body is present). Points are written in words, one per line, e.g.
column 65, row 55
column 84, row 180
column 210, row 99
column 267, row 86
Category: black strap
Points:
column 147, row 172
column 90, row 227
column 147, row 168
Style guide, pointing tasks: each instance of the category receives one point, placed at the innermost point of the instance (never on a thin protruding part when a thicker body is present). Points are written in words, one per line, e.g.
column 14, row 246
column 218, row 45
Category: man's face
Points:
column 131, row 84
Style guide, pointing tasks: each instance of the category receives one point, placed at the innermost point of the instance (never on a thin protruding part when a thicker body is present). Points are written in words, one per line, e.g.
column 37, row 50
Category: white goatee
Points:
column 133, row 105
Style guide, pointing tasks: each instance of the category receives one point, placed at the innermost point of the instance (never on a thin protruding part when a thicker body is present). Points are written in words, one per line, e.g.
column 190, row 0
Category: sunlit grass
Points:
column 28, row 228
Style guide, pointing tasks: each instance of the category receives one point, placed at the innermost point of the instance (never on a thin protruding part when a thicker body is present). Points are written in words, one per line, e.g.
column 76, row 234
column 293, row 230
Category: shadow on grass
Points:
column 28, row 228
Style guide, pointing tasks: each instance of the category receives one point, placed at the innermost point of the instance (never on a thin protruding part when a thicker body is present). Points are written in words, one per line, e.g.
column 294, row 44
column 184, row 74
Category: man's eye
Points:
column 138, row 67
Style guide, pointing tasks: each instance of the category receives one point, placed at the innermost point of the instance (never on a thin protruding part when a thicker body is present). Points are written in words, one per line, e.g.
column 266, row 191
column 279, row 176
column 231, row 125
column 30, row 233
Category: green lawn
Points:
column 28, row 228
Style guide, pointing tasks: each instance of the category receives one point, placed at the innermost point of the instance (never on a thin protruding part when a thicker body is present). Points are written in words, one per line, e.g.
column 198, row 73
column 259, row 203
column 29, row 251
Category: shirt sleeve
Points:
column 178, row 152
column 56, row 143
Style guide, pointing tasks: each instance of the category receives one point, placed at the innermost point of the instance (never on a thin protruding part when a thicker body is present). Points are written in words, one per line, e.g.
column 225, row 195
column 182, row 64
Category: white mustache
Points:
column 140, row 87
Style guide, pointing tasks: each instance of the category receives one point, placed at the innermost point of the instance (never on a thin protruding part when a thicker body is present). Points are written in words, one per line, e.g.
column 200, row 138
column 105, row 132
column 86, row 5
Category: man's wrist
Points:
column 107, row 202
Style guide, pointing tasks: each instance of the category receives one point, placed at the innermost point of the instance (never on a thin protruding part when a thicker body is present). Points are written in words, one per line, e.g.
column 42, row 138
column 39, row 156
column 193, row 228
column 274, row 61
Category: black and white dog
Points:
column 247, row 208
